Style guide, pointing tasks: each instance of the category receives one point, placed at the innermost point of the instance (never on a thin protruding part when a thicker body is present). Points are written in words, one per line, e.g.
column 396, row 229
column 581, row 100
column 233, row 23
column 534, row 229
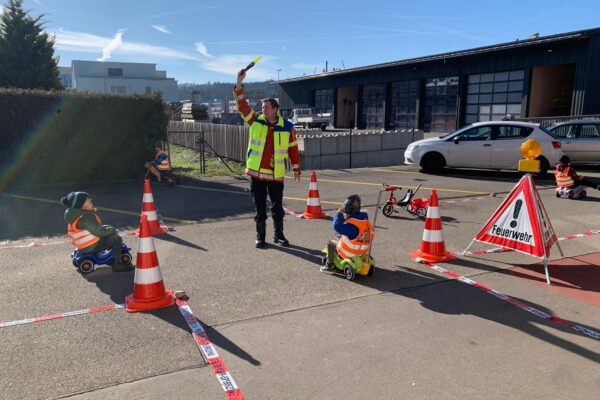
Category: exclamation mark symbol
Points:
column 518, row 205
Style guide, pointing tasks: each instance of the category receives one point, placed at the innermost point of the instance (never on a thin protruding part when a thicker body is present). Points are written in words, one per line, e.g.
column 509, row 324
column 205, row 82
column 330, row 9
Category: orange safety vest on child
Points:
column 347, row 248
column 82, row 238
column 563, row 178
column 165, row 164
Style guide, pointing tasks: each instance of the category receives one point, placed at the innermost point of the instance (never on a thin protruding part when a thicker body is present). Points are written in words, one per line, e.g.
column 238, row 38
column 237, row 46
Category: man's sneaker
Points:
column 281, row 240
column 260, row 243
column 117, row 267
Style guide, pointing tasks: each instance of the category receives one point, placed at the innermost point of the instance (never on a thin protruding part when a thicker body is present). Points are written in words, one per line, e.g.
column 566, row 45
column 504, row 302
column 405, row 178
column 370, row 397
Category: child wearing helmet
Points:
column 161, row 161
column 355, row 230
column 566, row 176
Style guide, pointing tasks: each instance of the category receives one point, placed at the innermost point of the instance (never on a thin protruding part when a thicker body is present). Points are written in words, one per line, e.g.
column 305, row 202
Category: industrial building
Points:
column 118, row 78
column 537, row 77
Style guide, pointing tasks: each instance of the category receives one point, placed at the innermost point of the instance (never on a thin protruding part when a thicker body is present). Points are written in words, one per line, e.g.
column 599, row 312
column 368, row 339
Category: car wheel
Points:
column 86, row 267
column 126, row 259
column 433, row 162
column 349, row 273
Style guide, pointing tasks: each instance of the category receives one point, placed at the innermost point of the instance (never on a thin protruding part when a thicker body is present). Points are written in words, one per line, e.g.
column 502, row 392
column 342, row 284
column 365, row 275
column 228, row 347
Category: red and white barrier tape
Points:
column 62, row 315
column 210, row 352
column 503, row 249
column 442, row 201
column 568, row 324
column 31, row 244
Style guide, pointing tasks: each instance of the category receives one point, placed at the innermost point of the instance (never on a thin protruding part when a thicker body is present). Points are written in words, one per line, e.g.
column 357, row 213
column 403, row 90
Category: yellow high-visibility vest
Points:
column 258, row 139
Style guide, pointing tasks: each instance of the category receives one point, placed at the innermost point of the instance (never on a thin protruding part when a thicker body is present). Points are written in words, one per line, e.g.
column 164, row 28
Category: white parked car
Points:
column 580, row 139
column 492, row 145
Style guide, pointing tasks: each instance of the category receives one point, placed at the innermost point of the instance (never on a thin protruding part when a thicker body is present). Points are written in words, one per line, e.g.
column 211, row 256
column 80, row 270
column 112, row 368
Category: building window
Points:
column 440, row 104
column 403, row 107
column 117, row 89
column 491, row 97
column 66, row 81
column 372, row 107
column 324, row 101
column 115, row 72
column 148, row 90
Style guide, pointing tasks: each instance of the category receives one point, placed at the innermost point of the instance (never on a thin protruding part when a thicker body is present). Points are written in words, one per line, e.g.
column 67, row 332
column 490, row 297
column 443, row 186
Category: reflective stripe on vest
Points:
column 165, row 165
column 347, row 248
column 82, row 238
column 563, row 178
column 257, row 141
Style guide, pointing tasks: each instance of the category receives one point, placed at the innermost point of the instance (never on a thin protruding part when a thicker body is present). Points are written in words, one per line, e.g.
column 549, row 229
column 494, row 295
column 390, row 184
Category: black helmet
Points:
column 565, row 160
column 352, row 204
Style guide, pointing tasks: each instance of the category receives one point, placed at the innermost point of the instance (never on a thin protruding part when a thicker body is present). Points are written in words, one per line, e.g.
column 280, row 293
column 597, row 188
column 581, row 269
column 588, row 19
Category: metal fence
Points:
column 228, row 141
column 547, row 121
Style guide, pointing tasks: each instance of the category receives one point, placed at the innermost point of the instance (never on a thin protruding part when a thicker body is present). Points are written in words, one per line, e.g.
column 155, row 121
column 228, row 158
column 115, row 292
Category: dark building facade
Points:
column 557, row 75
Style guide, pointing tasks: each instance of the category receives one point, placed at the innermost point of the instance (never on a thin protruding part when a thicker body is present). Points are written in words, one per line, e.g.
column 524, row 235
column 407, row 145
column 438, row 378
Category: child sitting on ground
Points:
column 567, row 176
column 87, row 233
column 355, row 230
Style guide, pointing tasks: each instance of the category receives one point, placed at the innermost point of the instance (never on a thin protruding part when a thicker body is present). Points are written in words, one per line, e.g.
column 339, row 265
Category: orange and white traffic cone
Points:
column 432, row 248
column 148, row 288
column 148, row 209
column 313, row 204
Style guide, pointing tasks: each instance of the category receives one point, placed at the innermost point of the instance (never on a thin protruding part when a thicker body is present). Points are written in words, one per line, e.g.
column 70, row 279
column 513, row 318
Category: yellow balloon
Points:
column 531, row 149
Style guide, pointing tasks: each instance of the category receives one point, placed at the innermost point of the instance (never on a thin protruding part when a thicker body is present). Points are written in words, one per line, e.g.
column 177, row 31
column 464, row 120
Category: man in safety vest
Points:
column 567, row 176
column 356, row 232
column 160, row 163
column 272, row 142
column 87, row 232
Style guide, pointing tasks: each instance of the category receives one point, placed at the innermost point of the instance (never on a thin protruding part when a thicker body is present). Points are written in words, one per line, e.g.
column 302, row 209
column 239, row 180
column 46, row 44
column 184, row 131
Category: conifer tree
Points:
column 26, row 51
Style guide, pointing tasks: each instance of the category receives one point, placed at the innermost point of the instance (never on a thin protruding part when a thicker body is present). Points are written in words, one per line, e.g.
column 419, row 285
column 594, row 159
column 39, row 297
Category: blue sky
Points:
column 201, row 41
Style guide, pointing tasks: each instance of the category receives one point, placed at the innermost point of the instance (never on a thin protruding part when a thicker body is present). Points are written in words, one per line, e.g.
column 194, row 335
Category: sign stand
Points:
column 521, row 223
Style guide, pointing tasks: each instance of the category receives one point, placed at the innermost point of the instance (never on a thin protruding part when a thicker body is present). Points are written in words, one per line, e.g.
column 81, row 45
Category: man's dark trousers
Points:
column 260, row 190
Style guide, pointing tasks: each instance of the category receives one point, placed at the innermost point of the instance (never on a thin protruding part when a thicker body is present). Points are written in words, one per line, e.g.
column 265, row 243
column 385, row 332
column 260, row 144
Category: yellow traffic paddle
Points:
column 252, row 64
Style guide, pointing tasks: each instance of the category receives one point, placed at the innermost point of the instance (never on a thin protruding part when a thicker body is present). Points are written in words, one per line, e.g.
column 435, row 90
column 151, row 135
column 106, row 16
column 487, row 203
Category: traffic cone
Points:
column 432, row 246
column 313, row 204
column 148, row 288
column 148, row 209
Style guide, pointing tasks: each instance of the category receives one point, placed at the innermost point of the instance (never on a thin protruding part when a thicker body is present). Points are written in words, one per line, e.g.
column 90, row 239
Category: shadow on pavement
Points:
column 167, row 237
column 305, row 253
column 455, row 298
column 120, row 285
column 37, row 211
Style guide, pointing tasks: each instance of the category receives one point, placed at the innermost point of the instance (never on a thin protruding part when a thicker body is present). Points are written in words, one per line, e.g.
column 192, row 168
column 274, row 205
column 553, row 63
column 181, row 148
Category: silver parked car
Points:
column 580, row 139
column 492, row 145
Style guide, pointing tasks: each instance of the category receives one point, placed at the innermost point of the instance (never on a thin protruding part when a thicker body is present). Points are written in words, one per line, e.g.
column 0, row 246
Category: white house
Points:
column 120, row 78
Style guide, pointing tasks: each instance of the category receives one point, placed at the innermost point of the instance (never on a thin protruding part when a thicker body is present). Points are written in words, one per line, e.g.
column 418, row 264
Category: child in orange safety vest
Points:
column 161, row 162
column 355, row 230
column 566, row 176
column 87, row 233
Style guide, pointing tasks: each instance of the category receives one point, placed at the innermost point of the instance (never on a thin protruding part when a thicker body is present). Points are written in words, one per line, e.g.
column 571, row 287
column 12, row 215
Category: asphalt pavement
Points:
column 284, row 329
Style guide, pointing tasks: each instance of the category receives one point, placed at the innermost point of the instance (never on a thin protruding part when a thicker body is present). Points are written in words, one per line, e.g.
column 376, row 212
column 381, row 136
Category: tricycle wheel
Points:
column 583, row 194
column 571, row 194
column 126, row 259
column 349, row 273
column 388, row 210
column 86, row 266
column 558, row 194
column 421, row 212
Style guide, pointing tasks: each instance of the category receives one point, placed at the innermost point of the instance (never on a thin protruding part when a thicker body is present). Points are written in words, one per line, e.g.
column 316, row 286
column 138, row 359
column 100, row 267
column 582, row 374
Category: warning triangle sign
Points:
column 521, row 222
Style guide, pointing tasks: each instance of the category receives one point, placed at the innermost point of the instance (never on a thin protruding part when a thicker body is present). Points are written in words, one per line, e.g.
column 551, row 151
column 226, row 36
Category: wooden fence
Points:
column 228, row 141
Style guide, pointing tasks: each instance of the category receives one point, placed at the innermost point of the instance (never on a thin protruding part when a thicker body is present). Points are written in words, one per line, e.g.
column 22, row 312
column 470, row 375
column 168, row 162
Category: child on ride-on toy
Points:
column 567, row 178
column 161, row 164
column 88, row 234
column 356, row 234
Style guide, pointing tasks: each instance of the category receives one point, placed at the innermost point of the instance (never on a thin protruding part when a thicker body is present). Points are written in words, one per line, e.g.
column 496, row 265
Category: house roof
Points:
column 533, row 41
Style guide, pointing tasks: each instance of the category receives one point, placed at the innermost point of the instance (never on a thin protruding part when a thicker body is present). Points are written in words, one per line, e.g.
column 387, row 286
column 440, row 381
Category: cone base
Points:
column 314, row 216
column 420, row 256
column 163, row 229
column 133, row 305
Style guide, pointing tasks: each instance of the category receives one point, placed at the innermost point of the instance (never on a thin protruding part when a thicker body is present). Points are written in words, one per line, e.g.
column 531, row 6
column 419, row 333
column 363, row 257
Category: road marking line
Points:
column 403, row 186
column 209, row 352
column 557, row 320
column 62, row 315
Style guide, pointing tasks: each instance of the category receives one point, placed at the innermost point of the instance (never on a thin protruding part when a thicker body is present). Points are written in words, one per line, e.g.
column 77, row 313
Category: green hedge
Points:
column 56, row 137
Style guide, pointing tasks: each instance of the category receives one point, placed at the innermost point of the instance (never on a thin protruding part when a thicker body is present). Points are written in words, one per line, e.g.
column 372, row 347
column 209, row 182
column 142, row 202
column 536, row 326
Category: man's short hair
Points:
column 273, row 102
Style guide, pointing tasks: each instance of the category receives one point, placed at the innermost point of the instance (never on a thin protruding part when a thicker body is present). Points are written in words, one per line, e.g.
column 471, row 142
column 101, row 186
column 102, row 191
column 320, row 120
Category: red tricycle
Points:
column 414, row 206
